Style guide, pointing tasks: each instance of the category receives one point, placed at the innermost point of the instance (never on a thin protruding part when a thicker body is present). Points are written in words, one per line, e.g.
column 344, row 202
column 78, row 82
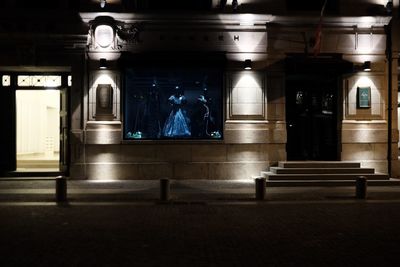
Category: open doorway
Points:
column 38, row 130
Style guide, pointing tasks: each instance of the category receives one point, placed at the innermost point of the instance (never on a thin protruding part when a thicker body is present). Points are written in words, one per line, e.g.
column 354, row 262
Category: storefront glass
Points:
column 175, row 103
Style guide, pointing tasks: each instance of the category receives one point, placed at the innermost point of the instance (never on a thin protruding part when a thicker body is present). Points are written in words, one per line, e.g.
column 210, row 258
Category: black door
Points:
column 7, row 121
column 312, row 117
column 64, row 131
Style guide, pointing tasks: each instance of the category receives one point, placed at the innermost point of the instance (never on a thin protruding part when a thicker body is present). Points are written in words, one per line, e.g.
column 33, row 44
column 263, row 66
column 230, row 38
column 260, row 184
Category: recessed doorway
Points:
column 311, row 114
column 38, row 130
column 314, row 106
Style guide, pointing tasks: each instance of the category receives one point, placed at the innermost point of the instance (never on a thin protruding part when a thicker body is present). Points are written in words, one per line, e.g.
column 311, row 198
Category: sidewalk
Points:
column 206, row 224
column 182, row 191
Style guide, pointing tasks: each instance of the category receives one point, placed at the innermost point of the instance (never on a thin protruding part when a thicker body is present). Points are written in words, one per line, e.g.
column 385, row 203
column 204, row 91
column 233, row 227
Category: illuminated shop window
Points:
column 39, row 80
column 6, row 80
column 69, row 80
column 173, row 103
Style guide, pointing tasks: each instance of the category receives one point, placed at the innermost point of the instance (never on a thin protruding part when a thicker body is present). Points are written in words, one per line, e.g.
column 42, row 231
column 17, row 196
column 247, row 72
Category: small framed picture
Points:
column 363, row 97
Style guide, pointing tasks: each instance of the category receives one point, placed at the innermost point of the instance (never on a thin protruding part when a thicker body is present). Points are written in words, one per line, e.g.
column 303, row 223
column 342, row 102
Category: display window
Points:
column 172, row 103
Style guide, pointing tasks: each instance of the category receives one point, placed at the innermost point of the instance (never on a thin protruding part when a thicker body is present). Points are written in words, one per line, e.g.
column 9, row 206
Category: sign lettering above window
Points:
column 39, row 80
column 6, row 80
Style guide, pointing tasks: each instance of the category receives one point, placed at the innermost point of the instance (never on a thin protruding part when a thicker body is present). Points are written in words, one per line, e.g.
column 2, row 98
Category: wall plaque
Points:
column 363, row 97
column 104, row 102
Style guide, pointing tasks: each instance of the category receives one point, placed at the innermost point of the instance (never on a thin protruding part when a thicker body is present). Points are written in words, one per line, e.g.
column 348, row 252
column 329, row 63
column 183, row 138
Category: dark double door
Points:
column 313, row 130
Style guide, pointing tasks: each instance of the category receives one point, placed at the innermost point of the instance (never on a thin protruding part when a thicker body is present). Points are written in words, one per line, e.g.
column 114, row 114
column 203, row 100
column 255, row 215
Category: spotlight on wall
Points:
column 366, row 66
column 103, row 3
column 247, row 64
column 103, row 64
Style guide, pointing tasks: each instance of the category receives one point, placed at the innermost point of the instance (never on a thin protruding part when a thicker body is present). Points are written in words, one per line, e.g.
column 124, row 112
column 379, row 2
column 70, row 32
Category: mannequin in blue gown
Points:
column 177, row 123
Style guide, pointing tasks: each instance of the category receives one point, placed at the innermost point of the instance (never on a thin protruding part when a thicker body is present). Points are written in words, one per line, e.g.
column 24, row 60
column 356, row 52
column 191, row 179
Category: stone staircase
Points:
column 322, row 173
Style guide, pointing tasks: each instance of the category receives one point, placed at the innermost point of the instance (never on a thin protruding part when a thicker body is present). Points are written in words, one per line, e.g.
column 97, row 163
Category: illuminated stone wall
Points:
column 365, row 130
column 251, row 142
column 254, row 101
column 255, row 127
column 364, row 135
column 254, row 107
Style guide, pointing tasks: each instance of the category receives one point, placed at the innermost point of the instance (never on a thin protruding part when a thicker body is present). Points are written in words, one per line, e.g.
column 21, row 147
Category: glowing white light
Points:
column 364, row 81
column 247, row 20
column 39, row 80
column 6, row 80
column 246, row 181
column 104, row 35
column 247, row 96
column 105, row 181
column 104, row 79
column 248, row 81
column 53, row 81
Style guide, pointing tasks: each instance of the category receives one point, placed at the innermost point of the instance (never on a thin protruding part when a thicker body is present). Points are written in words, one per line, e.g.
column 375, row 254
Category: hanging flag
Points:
column 318, row 33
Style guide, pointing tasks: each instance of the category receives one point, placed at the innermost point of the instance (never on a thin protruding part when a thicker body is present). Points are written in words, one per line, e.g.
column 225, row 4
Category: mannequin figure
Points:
column 177, row 123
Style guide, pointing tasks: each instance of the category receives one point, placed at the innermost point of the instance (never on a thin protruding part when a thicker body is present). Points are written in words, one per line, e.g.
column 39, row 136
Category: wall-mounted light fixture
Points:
column 247, row 64
column 104, row 35
column 235, row 5
column 103, row 3
column 366, row 66
column 103, row 64
column 389, row 7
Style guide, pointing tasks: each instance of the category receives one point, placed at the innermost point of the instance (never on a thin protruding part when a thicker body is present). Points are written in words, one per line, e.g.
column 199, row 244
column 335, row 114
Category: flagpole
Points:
column 318, row 33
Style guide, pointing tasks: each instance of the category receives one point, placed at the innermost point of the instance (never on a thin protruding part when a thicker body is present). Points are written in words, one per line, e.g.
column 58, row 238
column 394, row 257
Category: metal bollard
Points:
column 361, row 187
column 164, row 189
column 61, row 189
column 261, row 184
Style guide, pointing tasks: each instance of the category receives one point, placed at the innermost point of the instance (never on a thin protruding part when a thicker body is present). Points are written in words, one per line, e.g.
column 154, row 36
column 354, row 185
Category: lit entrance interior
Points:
column 38, row 130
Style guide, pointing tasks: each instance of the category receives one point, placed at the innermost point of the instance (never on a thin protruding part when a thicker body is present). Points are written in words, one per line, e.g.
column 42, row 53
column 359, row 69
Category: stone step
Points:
column 280, row 170
column 339, row 176
column 38, row 163
column 319, row 164
column 329, row 183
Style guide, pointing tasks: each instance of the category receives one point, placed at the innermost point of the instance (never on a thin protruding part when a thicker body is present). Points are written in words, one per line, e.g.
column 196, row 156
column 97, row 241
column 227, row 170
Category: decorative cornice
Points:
column 235, row 20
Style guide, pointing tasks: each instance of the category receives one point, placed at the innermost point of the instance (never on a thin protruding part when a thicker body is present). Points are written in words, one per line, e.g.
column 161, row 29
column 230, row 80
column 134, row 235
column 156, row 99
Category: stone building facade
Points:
column 307, row 96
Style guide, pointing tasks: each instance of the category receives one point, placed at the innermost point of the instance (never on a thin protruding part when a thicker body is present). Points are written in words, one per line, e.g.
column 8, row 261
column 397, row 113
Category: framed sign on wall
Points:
column 104, row 102
column 363, row 97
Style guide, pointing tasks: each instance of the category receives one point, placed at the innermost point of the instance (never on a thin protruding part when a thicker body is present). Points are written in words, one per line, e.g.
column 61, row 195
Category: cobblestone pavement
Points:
column 200, row 234
column 205, row 224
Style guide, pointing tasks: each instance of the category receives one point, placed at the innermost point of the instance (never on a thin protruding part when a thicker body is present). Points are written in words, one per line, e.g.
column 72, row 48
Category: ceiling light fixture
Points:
column 103, row 3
